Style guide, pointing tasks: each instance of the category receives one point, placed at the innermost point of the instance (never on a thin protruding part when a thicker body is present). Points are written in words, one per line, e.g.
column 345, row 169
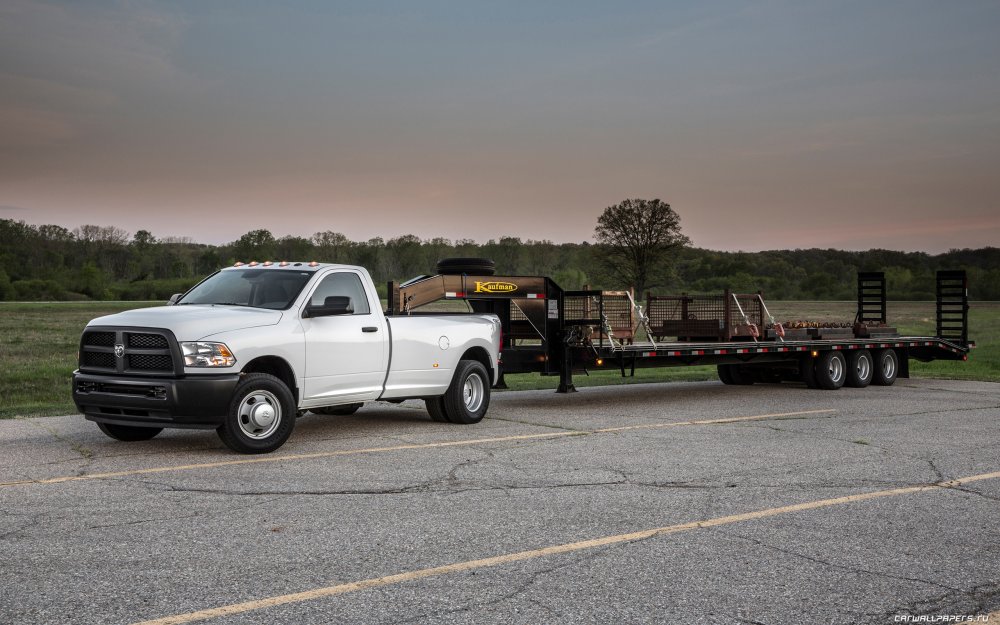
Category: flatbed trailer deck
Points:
column 551, row 331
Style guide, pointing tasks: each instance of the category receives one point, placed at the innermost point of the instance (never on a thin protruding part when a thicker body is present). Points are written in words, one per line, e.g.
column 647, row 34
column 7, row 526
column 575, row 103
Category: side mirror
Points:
column 173, row 299
column 333, row 305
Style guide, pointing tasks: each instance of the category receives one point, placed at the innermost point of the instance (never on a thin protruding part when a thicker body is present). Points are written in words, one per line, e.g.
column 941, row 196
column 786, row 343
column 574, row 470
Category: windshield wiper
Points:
column 230, row 304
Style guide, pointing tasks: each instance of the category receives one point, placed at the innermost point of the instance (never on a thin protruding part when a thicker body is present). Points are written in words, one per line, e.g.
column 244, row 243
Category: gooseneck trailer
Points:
column 552, row 331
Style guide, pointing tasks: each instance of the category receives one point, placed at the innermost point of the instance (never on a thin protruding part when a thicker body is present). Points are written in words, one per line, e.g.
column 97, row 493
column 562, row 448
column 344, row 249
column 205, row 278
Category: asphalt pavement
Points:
column 653, row 503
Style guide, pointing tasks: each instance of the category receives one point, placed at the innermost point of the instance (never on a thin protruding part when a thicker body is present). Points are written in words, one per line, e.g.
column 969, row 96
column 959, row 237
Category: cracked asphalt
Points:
column 178, row 524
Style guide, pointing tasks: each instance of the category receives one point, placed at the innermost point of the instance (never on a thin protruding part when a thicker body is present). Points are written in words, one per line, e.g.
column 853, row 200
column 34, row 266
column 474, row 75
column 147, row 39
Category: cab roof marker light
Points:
column 283, row 263
column 238, row 264
column 313, row 264
column 252, row 263
column 268, row 263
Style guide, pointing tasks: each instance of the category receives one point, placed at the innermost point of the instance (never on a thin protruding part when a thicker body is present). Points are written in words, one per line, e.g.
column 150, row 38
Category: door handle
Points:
column 369, row 329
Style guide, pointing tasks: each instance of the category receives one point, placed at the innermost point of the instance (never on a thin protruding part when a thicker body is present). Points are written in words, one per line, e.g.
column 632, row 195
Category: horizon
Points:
column 765, row 126
column 172, row 239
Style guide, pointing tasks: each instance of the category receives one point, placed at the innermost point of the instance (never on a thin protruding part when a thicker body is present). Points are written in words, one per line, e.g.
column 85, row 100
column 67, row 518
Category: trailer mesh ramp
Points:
column 610, row 313
column 703, row 317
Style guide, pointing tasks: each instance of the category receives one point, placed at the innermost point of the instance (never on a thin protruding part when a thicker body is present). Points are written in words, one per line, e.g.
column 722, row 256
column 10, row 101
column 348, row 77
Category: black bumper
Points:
column 189, row 402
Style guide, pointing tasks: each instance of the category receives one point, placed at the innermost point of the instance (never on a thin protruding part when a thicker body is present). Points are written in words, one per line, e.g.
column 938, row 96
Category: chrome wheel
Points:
column 472, row 392
column 888, row 368
column 864, row 367
column 836, row 370
column 259, row 414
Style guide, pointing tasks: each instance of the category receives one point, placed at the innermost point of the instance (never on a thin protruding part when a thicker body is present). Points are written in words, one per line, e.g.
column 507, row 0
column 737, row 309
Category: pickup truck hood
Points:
column 193, row 322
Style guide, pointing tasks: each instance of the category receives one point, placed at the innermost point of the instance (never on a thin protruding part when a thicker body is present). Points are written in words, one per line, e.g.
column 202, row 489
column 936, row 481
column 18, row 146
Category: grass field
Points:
column 39, row 343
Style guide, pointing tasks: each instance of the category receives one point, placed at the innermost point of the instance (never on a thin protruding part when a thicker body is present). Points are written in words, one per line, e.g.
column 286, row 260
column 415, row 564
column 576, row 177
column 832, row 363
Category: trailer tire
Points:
column 831, row 370
column 807, row 372
column 342, row 411
column 886, row 367
column 435, row 408
column 740, row 375
column 767, row 375
column 859, row 369
column 471, row 266
column 261, row 415
column 468, row 397
column 724, row 374
column 128, row 433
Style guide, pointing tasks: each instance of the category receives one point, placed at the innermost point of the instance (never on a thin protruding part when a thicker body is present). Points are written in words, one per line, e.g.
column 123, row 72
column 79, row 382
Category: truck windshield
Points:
column 275, row 289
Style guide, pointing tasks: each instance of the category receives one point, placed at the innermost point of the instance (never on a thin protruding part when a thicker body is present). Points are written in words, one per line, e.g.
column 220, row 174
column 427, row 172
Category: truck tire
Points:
column 342, row 410
column 435, row 408
column 886, row 367
column 471, row 266
column 859, row 369
column 128, row 433
column 831, row 370
column 724, row 374
column 468, row 397
column 261, row 415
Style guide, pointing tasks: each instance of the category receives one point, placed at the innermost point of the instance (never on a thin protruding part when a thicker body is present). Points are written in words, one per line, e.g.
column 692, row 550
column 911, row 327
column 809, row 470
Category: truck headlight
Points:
column 200, row 354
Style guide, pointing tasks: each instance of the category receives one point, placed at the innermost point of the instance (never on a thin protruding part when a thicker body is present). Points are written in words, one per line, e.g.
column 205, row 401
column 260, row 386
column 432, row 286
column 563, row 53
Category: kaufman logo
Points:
column 495, row 287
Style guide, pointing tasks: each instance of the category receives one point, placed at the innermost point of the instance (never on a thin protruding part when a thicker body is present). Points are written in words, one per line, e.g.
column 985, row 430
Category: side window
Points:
column 344, row 284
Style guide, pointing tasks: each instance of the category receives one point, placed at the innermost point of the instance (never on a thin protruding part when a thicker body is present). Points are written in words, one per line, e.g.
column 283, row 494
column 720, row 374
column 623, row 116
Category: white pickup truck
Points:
column 252, row 347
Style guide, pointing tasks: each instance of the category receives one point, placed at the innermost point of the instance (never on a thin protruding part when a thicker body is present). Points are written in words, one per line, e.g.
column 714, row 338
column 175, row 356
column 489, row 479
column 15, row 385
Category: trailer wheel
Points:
column 435, row 408
column 807, row 372
column 468, row 397
column 740, row 375
column 261, row 415
column 859, row 369
column 831, row 370
column 342, row 410
column 128, row 433
column 471, row 266
column 724, row 374
column 767, row 375
column 886, row 367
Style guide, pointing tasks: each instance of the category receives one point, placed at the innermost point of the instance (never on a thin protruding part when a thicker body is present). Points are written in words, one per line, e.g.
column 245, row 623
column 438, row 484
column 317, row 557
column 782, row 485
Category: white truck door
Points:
column 346, row 357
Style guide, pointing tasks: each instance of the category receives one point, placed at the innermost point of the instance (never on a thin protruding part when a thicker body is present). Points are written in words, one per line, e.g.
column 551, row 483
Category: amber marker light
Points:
column 815, row 354
column 600, row 361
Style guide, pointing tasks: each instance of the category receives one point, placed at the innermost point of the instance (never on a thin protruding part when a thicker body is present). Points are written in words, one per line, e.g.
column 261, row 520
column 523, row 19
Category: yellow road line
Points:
column 340, row 589
column 373, row 450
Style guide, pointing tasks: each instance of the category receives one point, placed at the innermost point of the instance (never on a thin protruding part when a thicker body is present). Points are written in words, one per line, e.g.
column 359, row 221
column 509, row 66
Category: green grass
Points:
column 39, row 343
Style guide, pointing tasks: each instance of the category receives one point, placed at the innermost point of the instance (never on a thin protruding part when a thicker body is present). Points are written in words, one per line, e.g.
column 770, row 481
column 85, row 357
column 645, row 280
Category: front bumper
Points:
column 188, row 402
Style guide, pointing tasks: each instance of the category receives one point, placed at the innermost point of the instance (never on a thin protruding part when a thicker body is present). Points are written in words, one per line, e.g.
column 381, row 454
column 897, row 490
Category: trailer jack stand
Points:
column 566, row 375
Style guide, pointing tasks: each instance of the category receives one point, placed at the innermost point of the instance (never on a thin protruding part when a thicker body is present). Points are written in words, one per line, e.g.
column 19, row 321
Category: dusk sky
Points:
column 765, row 125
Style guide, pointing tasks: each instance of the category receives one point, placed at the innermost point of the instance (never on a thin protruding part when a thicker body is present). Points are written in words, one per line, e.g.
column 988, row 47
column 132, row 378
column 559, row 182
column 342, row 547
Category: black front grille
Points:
column 147, row 341
column 135, row 351
column 99, row 339
column 151, row 362
column 104, row 360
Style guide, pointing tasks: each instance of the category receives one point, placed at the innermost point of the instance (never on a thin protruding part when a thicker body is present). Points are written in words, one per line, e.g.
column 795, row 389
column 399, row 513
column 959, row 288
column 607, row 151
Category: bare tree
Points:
column 635, row 241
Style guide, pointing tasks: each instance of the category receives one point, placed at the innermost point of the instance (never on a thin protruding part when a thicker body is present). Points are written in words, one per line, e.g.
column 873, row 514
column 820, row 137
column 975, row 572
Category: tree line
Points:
column 90, row 262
